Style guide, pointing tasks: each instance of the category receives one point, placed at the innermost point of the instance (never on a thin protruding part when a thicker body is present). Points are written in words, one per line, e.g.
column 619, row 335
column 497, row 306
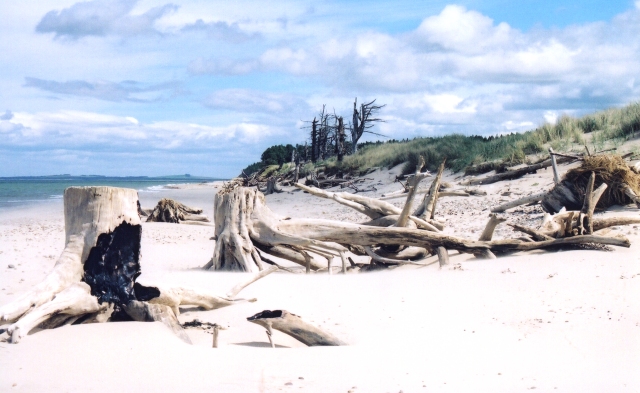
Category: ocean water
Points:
column 20, row 191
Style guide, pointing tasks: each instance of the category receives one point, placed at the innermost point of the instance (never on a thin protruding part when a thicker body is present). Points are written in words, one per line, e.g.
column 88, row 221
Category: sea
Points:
column 21, row 191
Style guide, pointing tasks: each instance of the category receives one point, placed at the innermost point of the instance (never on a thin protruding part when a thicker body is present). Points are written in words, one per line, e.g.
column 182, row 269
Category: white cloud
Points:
column 66, row 129
column 100, row 18
column 458, row 29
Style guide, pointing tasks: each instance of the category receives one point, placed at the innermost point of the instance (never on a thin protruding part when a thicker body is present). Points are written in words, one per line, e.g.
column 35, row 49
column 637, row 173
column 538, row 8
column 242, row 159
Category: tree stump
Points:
column 168, row 210
column 94, row 280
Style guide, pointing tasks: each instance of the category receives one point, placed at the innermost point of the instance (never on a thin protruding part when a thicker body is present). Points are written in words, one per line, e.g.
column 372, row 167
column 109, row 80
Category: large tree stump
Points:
column 94, row 280
column 244, row 224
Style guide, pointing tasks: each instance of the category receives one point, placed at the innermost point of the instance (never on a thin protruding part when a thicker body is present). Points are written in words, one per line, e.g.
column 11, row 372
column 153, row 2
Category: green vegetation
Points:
column 601, row 130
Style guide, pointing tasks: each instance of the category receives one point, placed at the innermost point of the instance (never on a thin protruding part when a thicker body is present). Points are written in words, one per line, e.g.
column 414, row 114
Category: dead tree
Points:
column 168, row 210
column 314, row 140
column 244, row 223
column 94, row 280
column 340, row 139
column 516, row 173
column 363, row 120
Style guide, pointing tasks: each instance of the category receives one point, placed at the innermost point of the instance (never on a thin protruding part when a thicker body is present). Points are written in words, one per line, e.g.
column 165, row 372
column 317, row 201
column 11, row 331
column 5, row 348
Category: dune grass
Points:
column 606, row 128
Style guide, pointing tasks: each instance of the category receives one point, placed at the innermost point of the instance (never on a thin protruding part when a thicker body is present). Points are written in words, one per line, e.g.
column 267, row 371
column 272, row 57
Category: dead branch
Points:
column 294, row 326
column 519, row 202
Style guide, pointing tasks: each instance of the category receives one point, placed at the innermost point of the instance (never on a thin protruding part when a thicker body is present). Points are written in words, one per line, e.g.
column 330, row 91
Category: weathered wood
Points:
column 145, row 312
column 494, row 221
column 602, row 223
column 516, row 173
column 216, row 333
column 233, row 292
column 427, row 208
column 294, row 326
column 556, row 177
column 371, row 207
column 443, row 256
column 588, row 207
column 631, row 194
column 413, row 183
column 169, row 210
column 519, row 202
column 536, row 235
column 95, row 277
column 391, row 261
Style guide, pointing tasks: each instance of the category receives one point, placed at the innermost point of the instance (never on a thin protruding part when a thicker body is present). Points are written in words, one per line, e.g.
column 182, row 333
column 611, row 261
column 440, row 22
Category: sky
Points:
column 146, row 87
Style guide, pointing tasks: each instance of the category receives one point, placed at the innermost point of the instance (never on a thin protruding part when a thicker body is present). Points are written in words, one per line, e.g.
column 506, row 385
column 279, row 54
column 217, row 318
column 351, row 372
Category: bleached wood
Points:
column 66, row 294
column 294, row 326
column 519, row 202
column 494, row 221
column 556, row 177
column 443, row 256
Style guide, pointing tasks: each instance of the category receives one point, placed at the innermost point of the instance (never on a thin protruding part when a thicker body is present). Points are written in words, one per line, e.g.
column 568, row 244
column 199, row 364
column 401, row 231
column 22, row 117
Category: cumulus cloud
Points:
column 245, row 100
column 101, row 18
column 108, row 91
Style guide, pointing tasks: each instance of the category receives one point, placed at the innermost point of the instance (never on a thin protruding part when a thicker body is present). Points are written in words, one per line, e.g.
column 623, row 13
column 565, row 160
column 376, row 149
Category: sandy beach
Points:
column 565, row 321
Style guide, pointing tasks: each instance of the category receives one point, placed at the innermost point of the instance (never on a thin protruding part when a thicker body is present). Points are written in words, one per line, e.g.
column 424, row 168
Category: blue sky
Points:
column 146, row 87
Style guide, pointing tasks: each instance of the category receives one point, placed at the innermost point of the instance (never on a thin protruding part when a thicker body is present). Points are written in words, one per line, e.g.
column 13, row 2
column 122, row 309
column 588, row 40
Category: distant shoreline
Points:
column 29, row 190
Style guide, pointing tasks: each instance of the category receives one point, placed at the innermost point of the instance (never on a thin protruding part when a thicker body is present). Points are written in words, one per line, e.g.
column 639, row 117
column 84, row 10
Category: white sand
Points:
column 554, row 321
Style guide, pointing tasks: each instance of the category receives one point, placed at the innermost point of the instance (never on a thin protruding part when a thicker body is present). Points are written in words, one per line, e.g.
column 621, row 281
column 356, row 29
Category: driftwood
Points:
column 556, row 176
column 271, row 187
column 519, row 202
column 294, row 326
column 427, row 208
column 243, row 221
column 494, row 221
column 536, row 235
column 412, row 185
column 371, row 207
column 168, row 210
column 612, row 170
column 94, row 280
column 516, row 173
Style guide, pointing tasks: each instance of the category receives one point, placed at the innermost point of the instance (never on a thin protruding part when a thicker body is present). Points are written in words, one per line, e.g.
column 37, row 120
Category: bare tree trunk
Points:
column 314, row 140
column 340, row 140
column 95, row 277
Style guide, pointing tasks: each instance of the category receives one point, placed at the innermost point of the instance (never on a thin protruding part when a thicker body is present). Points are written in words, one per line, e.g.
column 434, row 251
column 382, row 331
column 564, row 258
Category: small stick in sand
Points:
column 556, row 178
column 216, row 329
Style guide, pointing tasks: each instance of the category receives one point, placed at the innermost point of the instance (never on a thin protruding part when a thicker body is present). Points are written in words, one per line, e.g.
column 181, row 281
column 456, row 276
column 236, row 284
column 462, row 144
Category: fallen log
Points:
column 294, row 326
column 94, row 280
column 515, row 174
column 519, row 202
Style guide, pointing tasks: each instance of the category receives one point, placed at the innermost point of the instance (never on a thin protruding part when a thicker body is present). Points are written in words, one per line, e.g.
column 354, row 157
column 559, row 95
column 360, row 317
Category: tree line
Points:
column 328, row 136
